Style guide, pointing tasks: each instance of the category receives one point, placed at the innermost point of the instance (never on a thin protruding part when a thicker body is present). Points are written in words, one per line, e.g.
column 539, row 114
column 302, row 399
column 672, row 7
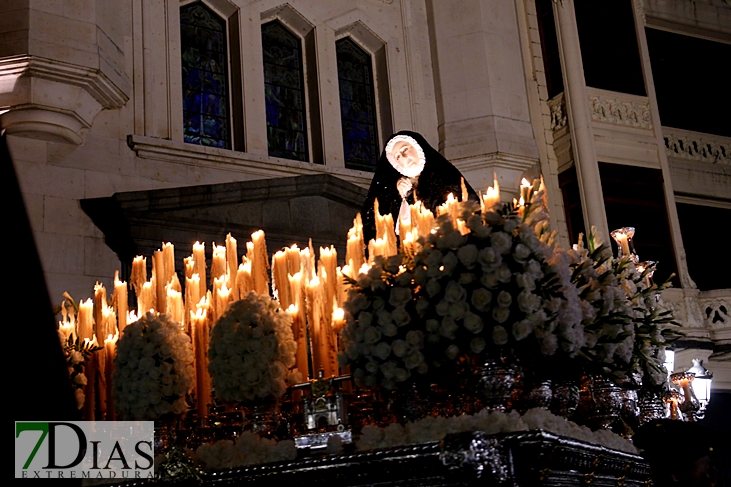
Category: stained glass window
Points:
column 357, row 106
column 205, row 77
column 284, row 92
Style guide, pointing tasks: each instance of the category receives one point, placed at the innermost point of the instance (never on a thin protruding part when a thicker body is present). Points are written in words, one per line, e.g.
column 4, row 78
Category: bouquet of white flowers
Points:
column 490, row 286
column 252, row 349
column 153, row 369
column 627, row 326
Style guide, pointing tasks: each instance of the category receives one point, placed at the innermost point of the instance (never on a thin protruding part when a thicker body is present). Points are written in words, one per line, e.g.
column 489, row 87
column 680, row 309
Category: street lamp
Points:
column 701, row 386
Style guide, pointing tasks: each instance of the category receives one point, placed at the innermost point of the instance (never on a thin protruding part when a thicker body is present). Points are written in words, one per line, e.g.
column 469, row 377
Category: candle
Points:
column 257, row 254
column 199, row 325
column 132, row 317
column 139, row 273
column 110, row 351
column 168, row 258
column 158, row 278
column 199, row 255
column 90, row 371
column 314, row 313
column 280, row 283
column 144, row 299
column 293, row 260
column 220, row 301
column 189, row 263
column 218, row 262
column 492, row 197
column 120, row 301
column 232, row 261
column 300, row 337
column 100, row 304
column 174, row 305
column 329, row 264
column 355, row 246
column 244, row 281
column 86, row 319
column 192, row 298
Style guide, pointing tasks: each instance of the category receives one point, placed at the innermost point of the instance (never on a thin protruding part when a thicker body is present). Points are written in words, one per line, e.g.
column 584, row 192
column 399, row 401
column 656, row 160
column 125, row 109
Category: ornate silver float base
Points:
column 529, row 458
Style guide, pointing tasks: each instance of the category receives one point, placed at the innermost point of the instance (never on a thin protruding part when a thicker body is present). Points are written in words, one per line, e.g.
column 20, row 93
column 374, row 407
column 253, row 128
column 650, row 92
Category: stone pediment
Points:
column 289, row 210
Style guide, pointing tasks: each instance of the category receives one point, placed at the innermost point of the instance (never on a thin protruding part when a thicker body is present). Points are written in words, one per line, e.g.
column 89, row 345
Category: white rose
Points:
column 481, row 299
column 371, row 335
column 473, row 323
column 455, row 292
column 415, row 337
column 448, row 328
column 503, row 273
column 454, row 239
column 499, row 335
column 433, row 287
column 452, row 352
column 501, row 242
column 522, row 329
column 528, row 302
column 489, row 258
column 399, row 347
column 477, row 344
column 521, row 253
column 399, row 296
column 449, row 262
column 382, row 350
column 504, row 299
column 501, row 315
column 400, row 316
column 468, row 255
column 389, row 330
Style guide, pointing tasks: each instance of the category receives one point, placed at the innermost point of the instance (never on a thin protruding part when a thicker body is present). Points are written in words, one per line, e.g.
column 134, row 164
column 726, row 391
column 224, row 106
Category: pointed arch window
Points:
column 357, row 105
column 284, row 84
column 206, row 99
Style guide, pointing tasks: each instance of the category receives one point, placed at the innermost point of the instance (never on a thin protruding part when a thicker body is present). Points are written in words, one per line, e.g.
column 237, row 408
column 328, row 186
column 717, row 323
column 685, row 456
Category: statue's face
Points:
column 405, row 155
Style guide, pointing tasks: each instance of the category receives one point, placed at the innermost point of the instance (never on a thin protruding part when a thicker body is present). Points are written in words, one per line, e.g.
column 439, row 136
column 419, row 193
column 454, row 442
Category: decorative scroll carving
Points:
column 478, row 452
column 621, row 112
column 696, row 146
column 557, row 104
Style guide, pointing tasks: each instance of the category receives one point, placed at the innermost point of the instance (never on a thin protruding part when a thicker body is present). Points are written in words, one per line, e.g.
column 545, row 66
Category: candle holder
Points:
column 625, row 247
column 673, row 400
column 690, row 406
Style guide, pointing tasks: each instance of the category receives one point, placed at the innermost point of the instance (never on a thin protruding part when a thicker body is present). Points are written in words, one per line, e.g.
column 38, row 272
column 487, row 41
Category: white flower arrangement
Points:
column 627, row 326
column 249, row 449
column 382, row 338
column 491, row 422
column 251, row 350
column 153, row 369
column 496, row 287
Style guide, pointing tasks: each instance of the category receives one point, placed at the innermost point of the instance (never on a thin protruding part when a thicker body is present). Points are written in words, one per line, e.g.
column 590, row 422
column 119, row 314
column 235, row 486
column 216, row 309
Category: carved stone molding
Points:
column 696, row 146
column 51, row 100
column 632, row 111
column 557, row 104
column 716, row 309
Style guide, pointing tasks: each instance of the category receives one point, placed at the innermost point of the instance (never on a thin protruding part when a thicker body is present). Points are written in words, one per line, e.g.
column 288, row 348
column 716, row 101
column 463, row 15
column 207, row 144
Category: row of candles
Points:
column 312, row 292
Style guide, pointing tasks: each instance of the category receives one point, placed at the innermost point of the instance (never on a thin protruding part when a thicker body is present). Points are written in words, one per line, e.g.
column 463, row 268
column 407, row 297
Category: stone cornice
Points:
column 91, row 79
column 253, row 164
column 502, row 159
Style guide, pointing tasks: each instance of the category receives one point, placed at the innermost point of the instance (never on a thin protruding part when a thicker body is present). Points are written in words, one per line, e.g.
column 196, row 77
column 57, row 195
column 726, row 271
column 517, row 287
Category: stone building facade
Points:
column 91, row 98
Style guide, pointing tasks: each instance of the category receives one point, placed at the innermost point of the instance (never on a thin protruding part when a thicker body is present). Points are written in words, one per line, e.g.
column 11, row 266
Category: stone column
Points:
column 577, row 105
column 482, row 102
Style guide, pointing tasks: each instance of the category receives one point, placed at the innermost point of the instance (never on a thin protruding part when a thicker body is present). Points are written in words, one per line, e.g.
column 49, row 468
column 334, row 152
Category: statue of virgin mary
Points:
column 410, row 169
